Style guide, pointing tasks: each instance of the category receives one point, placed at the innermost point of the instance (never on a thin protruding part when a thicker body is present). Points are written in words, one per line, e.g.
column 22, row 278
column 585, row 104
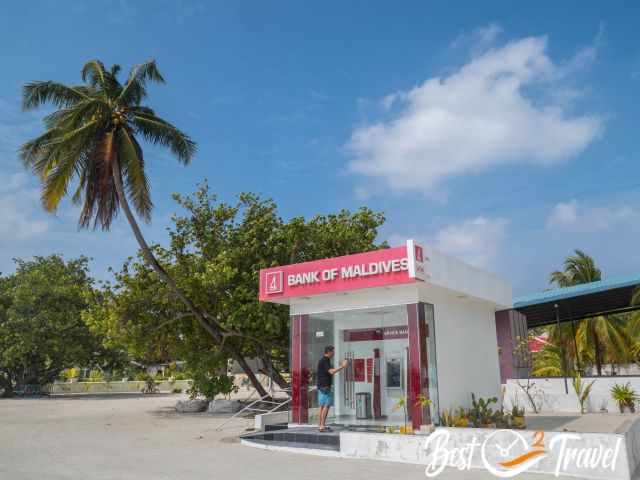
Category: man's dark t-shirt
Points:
column 324, row 378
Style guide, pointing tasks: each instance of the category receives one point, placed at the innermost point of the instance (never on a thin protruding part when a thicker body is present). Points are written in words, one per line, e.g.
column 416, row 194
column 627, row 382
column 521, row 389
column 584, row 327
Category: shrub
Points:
column 96, row 376
column 582, row 391
column 208, row 386
column 69, row 374
column 481, row 414
column 141, row 376
column 625, row 396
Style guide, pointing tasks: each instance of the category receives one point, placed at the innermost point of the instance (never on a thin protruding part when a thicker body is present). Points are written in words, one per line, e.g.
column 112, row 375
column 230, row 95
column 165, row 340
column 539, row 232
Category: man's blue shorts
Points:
column 325, row 397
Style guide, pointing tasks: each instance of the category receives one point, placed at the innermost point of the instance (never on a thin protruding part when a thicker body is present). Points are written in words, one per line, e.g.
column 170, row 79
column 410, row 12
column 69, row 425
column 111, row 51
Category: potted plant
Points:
column 481, row 414
column 424, row 402
column 447, row 418
column 461, row 419
column 402, row 404
column 517, row 417
column 625, row 396
column 582, row 391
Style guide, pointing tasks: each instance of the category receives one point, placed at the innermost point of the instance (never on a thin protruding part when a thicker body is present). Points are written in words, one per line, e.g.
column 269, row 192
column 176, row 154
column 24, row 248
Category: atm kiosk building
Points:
column 412, row 322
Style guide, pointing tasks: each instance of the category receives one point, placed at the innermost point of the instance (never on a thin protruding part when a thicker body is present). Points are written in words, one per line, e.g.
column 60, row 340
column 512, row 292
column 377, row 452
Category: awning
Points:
column 578, row 302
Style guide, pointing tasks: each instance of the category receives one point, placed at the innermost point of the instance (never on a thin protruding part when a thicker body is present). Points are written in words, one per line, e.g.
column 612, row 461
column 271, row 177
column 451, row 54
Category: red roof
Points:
column 538, row 343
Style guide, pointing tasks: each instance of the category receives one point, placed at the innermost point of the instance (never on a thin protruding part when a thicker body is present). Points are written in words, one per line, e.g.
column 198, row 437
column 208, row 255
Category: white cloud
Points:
column 480, row 116
column 477, row 240
column 572, row 216
column 478, row 40
column 587, row 55
column 19, row 211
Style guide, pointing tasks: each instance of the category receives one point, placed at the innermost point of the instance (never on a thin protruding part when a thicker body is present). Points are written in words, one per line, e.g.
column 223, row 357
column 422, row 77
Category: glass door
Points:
column 374, row 342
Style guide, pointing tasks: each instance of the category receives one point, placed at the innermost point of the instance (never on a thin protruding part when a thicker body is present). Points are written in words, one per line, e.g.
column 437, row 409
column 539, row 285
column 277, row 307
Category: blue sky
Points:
column 506, row 135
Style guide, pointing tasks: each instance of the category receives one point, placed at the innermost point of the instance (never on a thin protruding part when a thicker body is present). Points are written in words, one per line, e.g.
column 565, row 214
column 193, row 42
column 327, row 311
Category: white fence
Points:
column 550, row 396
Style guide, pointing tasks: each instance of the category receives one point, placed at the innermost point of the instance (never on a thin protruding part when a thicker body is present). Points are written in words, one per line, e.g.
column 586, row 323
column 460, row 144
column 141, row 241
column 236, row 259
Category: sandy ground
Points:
column 142, row 438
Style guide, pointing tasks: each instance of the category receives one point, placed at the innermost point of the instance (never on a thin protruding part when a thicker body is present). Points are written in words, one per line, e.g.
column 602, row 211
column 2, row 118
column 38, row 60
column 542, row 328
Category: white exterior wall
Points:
column 466, row 347
column 550, row 395
column 464, row 279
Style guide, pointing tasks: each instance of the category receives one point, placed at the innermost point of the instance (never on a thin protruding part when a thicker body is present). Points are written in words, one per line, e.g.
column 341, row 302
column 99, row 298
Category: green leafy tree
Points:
column 215, row 254
column 41, row 329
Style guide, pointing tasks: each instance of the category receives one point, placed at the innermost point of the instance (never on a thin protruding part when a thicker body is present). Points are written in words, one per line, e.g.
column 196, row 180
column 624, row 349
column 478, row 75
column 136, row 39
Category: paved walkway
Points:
column 142, row 438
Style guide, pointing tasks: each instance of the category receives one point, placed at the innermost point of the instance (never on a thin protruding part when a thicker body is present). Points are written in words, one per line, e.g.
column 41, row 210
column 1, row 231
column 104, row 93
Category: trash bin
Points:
column 363, row 405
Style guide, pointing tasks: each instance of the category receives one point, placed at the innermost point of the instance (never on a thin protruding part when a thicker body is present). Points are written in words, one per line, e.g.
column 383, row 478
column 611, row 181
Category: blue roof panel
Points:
column 575, row 291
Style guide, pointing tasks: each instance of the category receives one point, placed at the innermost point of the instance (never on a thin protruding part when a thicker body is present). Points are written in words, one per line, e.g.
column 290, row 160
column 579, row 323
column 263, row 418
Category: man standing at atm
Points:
column 324, row 376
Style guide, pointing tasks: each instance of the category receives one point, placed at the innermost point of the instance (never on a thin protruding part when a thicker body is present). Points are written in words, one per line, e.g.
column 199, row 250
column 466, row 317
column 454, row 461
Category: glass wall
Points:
column 371, row 391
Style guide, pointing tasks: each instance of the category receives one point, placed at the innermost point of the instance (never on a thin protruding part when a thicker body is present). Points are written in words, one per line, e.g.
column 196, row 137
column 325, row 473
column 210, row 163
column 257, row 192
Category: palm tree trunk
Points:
column 164, row 276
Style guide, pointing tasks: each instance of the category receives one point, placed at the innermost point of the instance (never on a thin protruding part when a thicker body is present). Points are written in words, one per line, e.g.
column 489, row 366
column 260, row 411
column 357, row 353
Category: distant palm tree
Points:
column 635, row 300
column 597, row 339
column 578, row 268
column 604, row 339
column 633, row 326
column 548, row 362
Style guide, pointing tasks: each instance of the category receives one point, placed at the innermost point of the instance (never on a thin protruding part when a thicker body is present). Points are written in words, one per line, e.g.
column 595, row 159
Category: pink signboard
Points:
column 390, row 266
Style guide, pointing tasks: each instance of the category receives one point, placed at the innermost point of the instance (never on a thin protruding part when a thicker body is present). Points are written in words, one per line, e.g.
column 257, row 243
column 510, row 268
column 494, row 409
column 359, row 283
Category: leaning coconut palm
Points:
column 92, row 141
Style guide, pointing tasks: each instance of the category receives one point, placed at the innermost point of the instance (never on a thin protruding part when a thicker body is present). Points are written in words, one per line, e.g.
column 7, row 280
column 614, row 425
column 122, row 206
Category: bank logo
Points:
column 274, row 282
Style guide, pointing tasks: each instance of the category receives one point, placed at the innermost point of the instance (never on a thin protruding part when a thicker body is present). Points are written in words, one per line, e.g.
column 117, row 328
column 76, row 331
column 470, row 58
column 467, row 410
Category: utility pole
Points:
column 562, row 352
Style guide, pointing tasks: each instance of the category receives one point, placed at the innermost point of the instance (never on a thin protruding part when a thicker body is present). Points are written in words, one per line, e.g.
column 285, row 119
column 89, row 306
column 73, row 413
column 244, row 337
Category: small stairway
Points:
column 296, row 437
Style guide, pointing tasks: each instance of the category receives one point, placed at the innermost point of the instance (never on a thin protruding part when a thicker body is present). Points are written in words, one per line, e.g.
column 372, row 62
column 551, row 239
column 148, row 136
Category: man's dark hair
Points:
column 328, row 349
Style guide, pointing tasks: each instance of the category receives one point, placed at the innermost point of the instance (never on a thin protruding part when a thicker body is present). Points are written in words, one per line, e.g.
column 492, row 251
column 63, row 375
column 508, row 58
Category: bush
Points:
column 208, row 386
column 141, row 376
column 96, row 376
column 625, row 396
column 69, row 374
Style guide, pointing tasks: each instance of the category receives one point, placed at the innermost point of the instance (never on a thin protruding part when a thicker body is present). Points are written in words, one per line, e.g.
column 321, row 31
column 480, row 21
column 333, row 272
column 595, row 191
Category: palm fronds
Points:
column 578, row 268
column 91, row 136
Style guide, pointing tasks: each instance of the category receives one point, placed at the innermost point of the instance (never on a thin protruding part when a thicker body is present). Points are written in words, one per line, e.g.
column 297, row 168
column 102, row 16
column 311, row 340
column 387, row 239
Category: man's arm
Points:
column 344, row 364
